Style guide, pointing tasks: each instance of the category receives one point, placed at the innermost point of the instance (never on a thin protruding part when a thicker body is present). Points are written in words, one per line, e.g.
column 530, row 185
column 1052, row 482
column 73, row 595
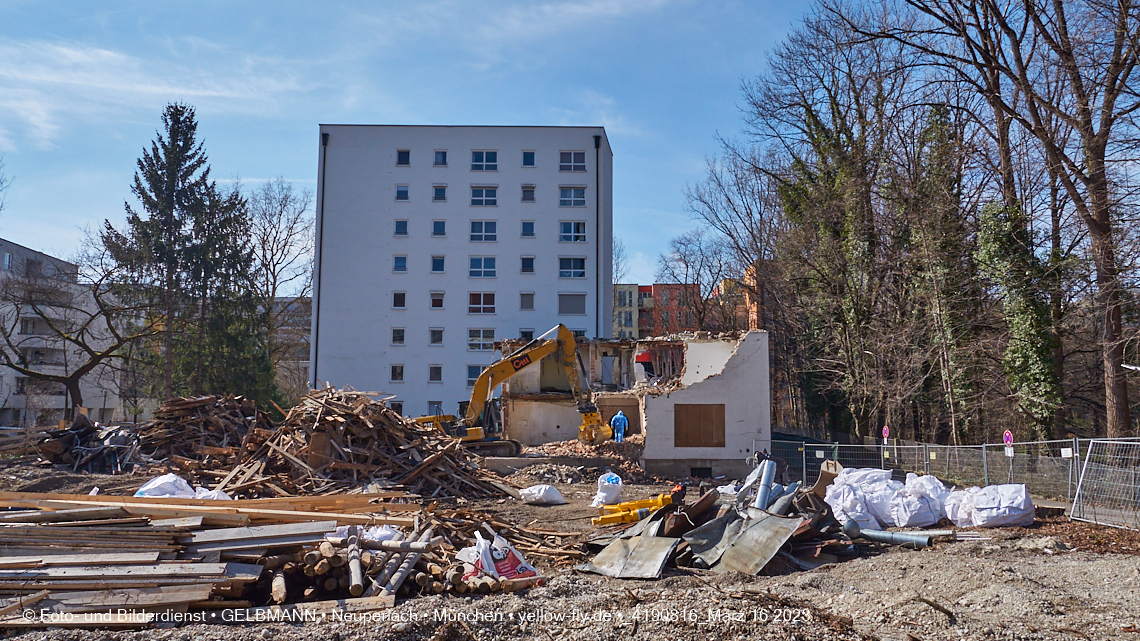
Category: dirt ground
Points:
column 1019, row 584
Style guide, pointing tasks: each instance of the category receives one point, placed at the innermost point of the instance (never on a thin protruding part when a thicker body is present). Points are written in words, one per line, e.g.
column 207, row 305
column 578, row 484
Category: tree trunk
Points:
column 1056, row 303
column 1117, row 413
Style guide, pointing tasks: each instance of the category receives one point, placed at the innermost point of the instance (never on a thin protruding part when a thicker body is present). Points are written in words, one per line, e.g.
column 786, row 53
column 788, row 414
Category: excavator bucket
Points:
column 593, row 431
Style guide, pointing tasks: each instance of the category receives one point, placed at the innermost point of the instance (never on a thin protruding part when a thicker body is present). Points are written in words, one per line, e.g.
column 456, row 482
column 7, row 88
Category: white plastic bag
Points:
column 960, row 506
column 878, row 496
column 497, row 558
column 920, row 503
column 1003, row 506
column 167, row 486
column 375, row 533
column 542, row 495
column 215, row 495
column 609, row 490
column 848, row 496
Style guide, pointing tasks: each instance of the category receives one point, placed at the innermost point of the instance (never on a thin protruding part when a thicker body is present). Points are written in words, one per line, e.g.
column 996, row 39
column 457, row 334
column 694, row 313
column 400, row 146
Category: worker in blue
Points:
column 619, row 422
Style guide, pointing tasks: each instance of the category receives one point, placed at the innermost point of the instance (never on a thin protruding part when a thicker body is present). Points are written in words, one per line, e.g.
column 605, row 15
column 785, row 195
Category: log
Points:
column 405, row 567
column 278, row 589
column 355, row 569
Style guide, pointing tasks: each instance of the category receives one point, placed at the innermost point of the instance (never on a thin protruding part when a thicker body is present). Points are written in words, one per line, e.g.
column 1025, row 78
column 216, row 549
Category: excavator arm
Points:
column 560, row 343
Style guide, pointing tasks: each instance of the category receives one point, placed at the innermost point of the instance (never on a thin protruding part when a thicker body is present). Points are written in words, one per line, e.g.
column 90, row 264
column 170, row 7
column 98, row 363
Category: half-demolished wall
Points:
column 719, row 416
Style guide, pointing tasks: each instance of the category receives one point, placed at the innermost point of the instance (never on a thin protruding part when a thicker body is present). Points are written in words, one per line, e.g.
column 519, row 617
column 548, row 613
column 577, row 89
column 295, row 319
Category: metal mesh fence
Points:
column 1108, row 492
column 1049, row 469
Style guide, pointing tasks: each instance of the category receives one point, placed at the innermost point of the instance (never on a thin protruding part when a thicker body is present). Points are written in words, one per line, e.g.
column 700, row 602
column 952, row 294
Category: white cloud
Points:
column 44, row 86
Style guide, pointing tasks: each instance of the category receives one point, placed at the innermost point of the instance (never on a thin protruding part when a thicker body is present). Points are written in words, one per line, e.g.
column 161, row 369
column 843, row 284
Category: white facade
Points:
column 625, row 311
column 30, row 342
column 385, row 193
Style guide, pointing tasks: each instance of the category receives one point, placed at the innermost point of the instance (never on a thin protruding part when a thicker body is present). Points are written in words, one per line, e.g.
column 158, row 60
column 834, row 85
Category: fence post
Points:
column 803, row 467
column 926, row 458
column 1074, row 470
column 985, row 465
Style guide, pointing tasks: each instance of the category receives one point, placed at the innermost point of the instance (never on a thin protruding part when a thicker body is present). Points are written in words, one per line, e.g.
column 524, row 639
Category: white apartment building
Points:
column 28, row 341
column 625, row 311
column 433, row 242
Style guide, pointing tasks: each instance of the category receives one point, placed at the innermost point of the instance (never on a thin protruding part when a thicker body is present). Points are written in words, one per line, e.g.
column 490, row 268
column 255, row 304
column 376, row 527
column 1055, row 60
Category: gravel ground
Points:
column 1022, row 584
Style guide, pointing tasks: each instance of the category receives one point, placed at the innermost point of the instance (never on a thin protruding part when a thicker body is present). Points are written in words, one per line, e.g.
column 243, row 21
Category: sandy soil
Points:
column 1021, row 584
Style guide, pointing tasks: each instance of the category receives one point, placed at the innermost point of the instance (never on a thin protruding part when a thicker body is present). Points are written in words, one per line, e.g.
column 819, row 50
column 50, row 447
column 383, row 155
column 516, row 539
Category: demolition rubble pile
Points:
column 345, row 552
column 335, row 439
column 759, row 526
column 625, row 456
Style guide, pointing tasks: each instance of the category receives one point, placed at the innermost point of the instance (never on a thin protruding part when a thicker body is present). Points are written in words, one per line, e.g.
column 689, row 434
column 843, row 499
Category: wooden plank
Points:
column 255, row 544
column 80, row 514
column 19, row 603
column 287, row 516
column 182, row 523
column 126, row 571
column 98, row 600
column 362, row 604
column 259, row 532
column 130, row 558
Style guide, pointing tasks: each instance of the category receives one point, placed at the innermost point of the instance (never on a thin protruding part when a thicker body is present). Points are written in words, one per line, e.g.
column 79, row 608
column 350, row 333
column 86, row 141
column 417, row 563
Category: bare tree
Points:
column 283, row 248
column 5, row 182
column 1095, row 47
column 620, row 261
column 56, row 328
column 701, row 261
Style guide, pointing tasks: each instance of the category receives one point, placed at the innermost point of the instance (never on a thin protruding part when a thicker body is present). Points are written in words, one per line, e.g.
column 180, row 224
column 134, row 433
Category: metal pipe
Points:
column 934, row 534
column 767, row 475
column 897, row 538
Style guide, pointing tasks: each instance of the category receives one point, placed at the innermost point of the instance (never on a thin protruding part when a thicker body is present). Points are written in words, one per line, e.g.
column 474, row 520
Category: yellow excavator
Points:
column 480, row 428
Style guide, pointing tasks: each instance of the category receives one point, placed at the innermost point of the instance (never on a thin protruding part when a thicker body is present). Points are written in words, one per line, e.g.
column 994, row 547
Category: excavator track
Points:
column 494, row 448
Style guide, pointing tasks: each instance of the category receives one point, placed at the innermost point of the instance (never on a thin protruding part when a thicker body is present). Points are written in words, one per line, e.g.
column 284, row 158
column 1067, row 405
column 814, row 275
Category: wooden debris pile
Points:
column 336, row 439
column 199, row 435
column 86, row 554
column 76, row 554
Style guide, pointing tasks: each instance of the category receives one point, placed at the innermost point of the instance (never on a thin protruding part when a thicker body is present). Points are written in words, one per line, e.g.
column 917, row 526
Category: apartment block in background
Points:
column 434, row 242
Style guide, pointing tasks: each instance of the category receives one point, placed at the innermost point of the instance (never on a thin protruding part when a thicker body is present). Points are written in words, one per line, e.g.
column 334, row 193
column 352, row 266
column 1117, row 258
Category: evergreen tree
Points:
column 189, row 251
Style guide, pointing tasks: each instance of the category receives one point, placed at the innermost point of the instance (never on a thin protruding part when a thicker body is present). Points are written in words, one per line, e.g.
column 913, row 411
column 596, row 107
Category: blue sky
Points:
column 82, row 85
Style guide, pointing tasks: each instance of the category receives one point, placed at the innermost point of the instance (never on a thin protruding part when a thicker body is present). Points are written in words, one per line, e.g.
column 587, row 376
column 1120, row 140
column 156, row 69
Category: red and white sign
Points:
column 886, row 431
column 1007, row 438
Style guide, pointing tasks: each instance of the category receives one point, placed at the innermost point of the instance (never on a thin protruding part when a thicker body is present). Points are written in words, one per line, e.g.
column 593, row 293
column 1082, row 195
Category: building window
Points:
column 7, row 260
column 435, row 336
column 528, row 159
column 572, row 197
column 528, row 229
column 526, row 334
column 571, row 267
column 437, row 300
column 435, row 373
column 480, row 340
column 528, row 193
column 440, row 158
column 397, row 335
column 570, row 231
column 526, row 301
column 397, row 374
column 401, row 228
column 484, row 231
column 484, row 196
column 622, row 296
column 481, row 303
column 578, row 333
column 628, row 319
column 403, row 157
column 439, row 193
column 399, row 299
column 528, row 264
column 473, row 372
column 483, row 267
column 400, row 264
column 437, row 264
column 439, row 228
column 435, row 408
column 484, row 161
column 397, row 406
column 572, row 304
column 572, row 161
column 401, row 192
